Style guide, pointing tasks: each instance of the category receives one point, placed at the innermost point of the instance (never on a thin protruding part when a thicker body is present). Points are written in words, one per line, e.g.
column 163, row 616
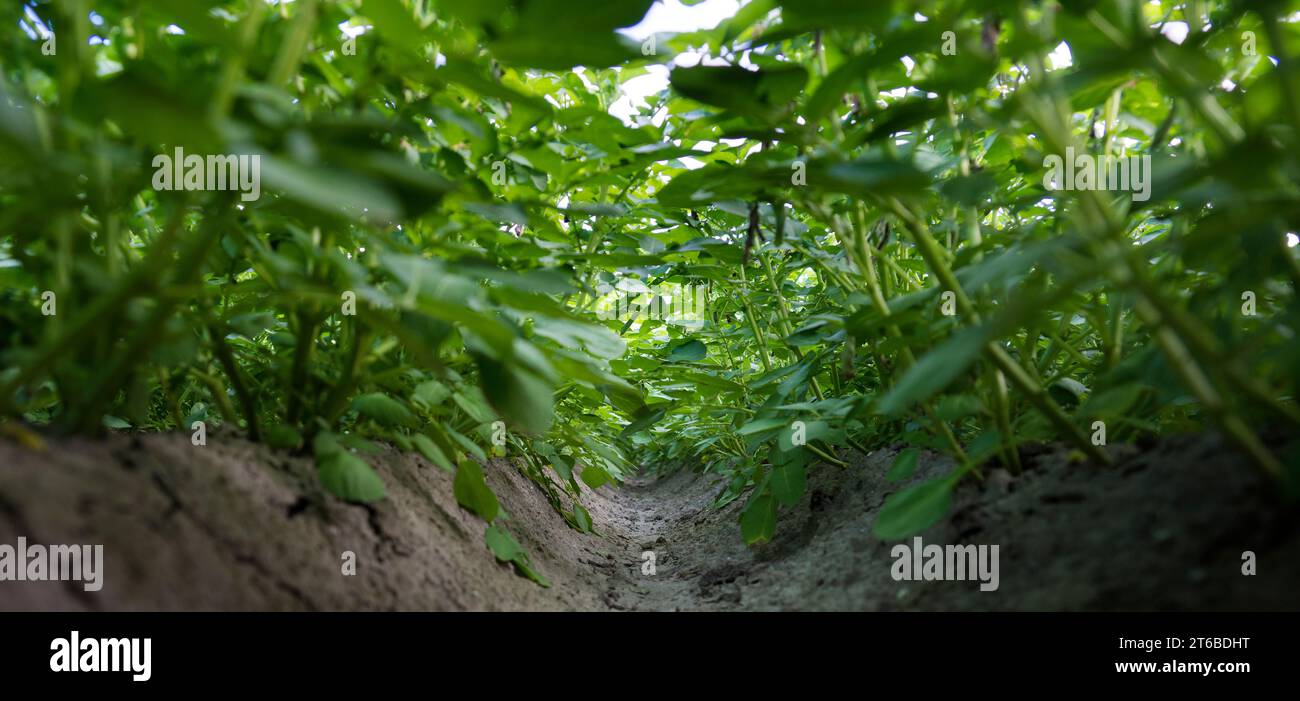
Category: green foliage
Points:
column 443, row 201
column 688, row 352
column 788, row 482
column 758, row 520
column 594, row 476
column 473, row 493
column 506, row 549
column 904, row 465
column 915, row 508
column 383, row 409
column 345, row 475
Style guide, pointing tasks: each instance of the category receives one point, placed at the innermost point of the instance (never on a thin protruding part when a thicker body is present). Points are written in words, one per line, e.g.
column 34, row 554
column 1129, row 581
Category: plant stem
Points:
column 227, row 360
column 1024, row 382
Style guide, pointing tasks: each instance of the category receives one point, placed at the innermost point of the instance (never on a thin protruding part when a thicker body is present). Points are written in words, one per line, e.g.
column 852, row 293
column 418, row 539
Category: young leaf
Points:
column 282, row 437
column 522, row 397
column 647, row 418
column 594, row 476
column 758, row 520
column 904, row 465
column 762, row 426
column 432, row 452
column 430, row 394
column 582, row 518
column 395, row 22
column 813, row 431
column 935, row 370
column 787, row 482
column 914, row 509
column 761, row 94
column 957, row 406
column 383, row 409
column 506, row 549
column 473, row 493
column 690, row 351
column 349, row 478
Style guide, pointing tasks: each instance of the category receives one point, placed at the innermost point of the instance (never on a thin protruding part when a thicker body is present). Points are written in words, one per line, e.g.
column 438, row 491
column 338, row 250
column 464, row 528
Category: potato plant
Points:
column 964, row 226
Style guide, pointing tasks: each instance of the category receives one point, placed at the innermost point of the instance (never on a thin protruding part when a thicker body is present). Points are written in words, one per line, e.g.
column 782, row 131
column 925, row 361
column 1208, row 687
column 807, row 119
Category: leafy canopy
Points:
column 446, row 199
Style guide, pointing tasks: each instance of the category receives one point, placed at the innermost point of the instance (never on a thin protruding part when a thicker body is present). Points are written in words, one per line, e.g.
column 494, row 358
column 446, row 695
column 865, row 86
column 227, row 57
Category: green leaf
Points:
column 690, row 351
column 836, row 14
column 506, row 549
column 545, row 17
column 472, row 491
column 762, row 426
column 597, row 340
column 523, row 398
column 474, row 12
column 903, row 115
column 474, row 405
column 282, row 437
column 250, row 325
column 594, row 476
column 813, row 431
column 199, row 412
column 334, row 192
column 871, row 175
column 326, row 443
column 563, row 467
column 395, row 23
column 957, row 406
column 465, row 443
column 431, row 451
column 115, row 423
column 983, row 448
column 758, row 520
column 348, row 477
column 590, row 50
column 798, row 377
column 587, row 29
column 935, row 370
column 430, row 394
column 831, row 90
column 352, row 441
column 904, row 465
column 1067, row 392
column 914, row 509
column 787, row 483
column 763, row 94
column 1112, row 401
column 648, row 417
column 582, row 518
column 383, row 409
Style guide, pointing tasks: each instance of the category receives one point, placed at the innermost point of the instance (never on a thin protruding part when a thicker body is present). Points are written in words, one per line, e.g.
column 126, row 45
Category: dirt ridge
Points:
column 237, row 526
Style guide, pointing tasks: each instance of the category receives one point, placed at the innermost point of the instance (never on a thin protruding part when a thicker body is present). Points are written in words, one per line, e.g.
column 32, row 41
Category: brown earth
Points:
column 236, row 526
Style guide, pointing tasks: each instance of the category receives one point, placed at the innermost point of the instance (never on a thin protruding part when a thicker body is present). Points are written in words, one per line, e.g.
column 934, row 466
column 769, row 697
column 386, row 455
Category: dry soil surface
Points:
column 236, row 526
